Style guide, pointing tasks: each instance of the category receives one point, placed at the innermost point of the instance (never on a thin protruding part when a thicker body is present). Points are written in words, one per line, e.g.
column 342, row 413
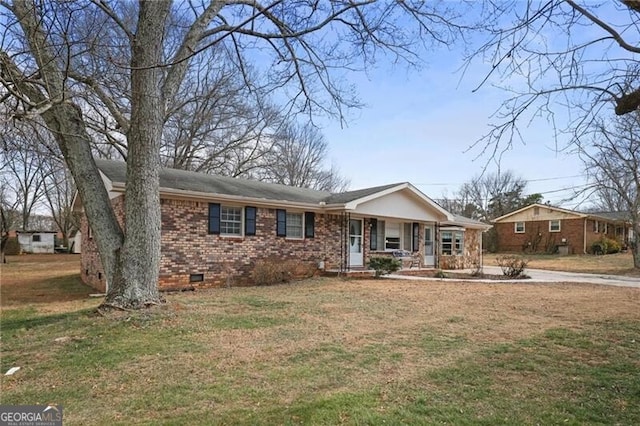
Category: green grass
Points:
column 329, row 352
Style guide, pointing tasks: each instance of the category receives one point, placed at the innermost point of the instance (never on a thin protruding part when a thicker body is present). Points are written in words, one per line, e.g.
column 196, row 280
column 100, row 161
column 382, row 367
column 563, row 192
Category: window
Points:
column 294, row 225
column 554, row 226
column 195, row 278
column 519, row 228
column 392, row 236
column 231, row 220
column 452, row 242
column 36, row 238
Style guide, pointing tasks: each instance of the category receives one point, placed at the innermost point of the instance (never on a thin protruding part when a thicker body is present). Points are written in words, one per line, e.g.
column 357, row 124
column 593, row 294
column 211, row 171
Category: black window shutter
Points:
column 214, row 218
column 281, row 223
column 373, row 237
column 416, row 236
column 309, row 224
column 250, row 214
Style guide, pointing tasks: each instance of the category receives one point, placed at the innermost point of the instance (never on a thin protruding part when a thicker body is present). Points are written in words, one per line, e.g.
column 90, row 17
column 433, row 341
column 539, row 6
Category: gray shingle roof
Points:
column 173, row 179
column 466, row 221
column 221, row 185
column 345, row 197
column 620, row 216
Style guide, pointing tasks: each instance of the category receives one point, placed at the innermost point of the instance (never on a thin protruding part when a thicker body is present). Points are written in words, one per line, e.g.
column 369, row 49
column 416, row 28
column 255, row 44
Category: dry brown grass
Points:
column 43, row 278
column 247, row 355
column 614, row 264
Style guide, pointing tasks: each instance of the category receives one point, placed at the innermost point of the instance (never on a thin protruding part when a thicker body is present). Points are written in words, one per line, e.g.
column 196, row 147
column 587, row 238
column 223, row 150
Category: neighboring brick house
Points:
column 215, row 228
column 541, row 228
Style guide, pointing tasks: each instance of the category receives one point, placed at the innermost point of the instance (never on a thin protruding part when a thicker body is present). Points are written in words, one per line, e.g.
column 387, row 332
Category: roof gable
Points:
column 545, row 212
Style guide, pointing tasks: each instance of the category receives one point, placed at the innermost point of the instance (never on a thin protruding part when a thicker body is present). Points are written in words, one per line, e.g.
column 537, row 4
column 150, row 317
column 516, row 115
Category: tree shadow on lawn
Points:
column 51, row 290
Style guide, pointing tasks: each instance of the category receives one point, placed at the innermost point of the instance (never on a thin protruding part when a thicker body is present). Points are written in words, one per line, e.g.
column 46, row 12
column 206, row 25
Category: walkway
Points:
column 544, row 276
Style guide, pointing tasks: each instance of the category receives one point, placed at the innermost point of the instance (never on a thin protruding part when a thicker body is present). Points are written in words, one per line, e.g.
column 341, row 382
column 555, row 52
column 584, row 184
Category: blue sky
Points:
column 418, row 126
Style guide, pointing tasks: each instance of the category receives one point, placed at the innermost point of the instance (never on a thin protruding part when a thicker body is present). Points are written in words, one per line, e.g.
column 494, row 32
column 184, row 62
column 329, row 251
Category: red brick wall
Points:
column 188, row 248
column 91, row 271
column 537, row 237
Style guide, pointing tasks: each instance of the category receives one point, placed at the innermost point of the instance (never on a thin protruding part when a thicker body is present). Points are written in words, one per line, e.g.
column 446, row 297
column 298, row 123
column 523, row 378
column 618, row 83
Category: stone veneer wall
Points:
column 471, row 252
column 188, row 248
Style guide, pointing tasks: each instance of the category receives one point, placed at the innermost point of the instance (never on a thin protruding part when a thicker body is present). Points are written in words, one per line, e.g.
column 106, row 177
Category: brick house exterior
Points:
column 215, row 229
column 540, row 228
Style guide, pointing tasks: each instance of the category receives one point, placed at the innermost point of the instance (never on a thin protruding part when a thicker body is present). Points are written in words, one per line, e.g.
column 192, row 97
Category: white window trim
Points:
column 559, row 225
column 515, row 227
column 399, row 237
column 454, row 250
column 286, row 228
column 226, row 235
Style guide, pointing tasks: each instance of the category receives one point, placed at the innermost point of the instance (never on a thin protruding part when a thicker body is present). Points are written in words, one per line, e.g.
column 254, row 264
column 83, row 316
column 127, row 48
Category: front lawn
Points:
column 328, row 351
column 614, row 264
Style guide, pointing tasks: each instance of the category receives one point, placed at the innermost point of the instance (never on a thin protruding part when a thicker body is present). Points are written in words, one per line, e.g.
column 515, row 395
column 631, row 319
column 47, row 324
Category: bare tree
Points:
column 72, row 62
column 58, row 194
column 492, row 195
column 612, row 163
column 541, row 54
column 23, row 160
column 9, row 217
column 488, row 196
column 297, row 158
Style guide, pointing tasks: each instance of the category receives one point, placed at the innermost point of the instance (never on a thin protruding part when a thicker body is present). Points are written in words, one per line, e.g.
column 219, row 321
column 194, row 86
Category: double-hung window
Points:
column 452, row 242
column 295, row 225
column 231, row 220
column 519, row 227
column 554, row 226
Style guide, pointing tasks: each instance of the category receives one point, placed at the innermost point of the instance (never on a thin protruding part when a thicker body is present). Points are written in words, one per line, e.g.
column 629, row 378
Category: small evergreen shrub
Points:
column 512, row 266
column 384, row 265
column 605, row 246
column 440, row 274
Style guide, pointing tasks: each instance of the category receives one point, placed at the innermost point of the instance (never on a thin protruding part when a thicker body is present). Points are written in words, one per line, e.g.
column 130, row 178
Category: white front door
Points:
column 429, row 258
column 355, row 243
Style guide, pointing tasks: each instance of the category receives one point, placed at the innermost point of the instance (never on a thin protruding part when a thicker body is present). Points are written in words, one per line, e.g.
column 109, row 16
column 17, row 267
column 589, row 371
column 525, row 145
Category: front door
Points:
column 355, row 243
column 429, row 258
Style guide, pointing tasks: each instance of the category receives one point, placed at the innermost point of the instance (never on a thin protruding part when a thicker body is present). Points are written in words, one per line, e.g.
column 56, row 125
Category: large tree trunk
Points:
column 135, row 284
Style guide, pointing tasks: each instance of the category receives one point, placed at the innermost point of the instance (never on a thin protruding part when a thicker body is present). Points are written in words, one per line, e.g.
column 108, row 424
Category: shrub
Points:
column 512, row 266
column 384, row 265
column 440, row 274
column 605, row 246
column 269, row 272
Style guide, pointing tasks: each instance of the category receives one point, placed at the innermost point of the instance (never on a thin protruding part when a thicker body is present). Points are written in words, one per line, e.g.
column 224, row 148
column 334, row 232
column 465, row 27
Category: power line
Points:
column 525, row 180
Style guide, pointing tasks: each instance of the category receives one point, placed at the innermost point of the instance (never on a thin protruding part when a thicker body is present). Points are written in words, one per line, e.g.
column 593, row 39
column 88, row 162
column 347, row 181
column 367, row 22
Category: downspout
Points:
column 436, row 245
column 347, row 249
column 584, row 237
column 481, row 260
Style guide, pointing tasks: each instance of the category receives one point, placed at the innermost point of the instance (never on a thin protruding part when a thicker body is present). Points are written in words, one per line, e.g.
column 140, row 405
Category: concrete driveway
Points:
column 544, row 276
column 540, row 275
